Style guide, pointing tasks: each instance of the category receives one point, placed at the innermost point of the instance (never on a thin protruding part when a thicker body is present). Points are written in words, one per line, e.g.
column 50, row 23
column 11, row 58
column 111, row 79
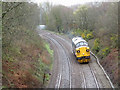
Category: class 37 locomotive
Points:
column 81, row 49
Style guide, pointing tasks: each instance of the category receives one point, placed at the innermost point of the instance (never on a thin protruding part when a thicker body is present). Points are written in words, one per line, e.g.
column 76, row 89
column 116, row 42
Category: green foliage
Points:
column 89, row 36
column 48, row 49
column 77, row 32
column 9, row 58
column 83, row 35
column 96, row 46
column 114, row 40
column 105, row 51
column 47, row 46
column 81, row 15
column 57, row 18
column 86, row 34
column 47, row 77
column 3, row 87
column 18, row 19
column 43, row 69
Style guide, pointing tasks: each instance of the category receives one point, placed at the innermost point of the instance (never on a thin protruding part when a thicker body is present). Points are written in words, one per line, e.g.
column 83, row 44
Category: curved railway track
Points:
column 92, row 71
column 60, row 75
column 90, row 75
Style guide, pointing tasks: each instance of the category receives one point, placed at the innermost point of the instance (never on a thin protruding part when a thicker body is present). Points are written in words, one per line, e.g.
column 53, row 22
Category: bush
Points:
column 89, row 36
column 96, row 46
column 83, row 35
column 105, row 51
column 78, row 32
column 114, row 41
column 86, row 34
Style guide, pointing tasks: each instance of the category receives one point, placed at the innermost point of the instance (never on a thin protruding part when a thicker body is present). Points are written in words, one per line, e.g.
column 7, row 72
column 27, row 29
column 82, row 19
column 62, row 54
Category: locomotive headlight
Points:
column 78, row 51
column 87, row 50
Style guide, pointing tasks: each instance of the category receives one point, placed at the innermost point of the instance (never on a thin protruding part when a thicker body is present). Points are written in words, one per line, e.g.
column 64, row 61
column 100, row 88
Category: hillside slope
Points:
column 25, row 62
column 110, row 64
column 26, row 58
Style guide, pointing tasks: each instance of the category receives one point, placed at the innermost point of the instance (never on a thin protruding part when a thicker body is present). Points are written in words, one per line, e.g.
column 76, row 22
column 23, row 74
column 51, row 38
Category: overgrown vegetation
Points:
column 25, row 56
column 86, row 34
column 95, row 22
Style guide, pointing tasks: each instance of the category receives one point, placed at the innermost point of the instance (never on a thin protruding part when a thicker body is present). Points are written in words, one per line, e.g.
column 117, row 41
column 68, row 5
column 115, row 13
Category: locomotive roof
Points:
column 76, row 40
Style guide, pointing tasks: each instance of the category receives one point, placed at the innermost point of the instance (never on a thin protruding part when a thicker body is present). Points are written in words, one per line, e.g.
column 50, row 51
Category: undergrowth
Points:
column 25, row 61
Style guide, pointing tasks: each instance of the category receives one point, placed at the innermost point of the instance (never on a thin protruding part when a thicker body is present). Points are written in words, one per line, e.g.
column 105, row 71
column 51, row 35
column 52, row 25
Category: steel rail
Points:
column 103, row 70
column 84, row 80
column 95, row 78
column 59, row 79
column 69, row 64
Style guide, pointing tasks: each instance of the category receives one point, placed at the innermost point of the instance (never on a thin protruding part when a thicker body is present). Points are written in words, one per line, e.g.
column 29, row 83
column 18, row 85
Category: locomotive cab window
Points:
column 81, row 44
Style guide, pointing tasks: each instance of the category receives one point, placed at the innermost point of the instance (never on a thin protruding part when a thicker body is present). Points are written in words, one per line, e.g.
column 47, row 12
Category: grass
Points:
column 48, row 49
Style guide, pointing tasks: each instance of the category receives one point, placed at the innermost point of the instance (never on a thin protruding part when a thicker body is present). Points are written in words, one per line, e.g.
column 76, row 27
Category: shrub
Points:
column 83, row 35
column 114, row 41
column 105, row 51
column 48, row 49
column 96, row 46
column 89, row 36
column 86, row 34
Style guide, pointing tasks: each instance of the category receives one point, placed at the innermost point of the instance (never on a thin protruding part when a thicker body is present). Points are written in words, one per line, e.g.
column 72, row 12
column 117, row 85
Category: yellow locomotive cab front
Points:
column 83, row 54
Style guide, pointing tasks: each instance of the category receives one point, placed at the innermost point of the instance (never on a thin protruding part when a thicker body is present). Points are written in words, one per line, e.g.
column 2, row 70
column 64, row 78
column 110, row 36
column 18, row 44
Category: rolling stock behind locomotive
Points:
column 81, row 49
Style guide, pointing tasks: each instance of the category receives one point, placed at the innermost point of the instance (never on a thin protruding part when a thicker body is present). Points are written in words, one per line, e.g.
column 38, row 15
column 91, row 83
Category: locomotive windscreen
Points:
column 81, row 44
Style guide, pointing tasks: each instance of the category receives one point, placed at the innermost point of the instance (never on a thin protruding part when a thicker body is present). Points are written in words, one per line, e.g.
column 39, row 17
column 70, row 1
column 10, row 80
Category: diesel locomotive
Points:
column 81, row 49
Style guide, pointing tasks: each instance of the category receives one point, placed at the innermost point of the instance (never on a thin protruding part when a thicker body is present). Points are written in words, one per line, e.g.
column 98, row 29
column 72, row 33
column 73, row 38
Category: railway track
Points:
column 83, row 76
column 95, row 78
column 84, row 80
column 60, row 75
column 93, row 72
column 69, row 63
column 55, row 63
column 97, row 82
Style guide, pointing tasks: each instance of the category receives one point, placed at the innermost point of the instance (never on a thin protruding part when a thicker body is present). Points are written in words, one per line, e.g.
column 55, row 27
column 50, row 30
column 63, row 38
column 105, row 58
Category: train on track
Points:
column 81, row 49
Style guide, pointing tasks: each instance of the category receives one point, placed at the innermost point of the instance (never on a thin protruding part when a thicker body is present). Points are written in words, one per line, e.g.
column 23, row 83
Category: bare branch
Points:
column 3, row 14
